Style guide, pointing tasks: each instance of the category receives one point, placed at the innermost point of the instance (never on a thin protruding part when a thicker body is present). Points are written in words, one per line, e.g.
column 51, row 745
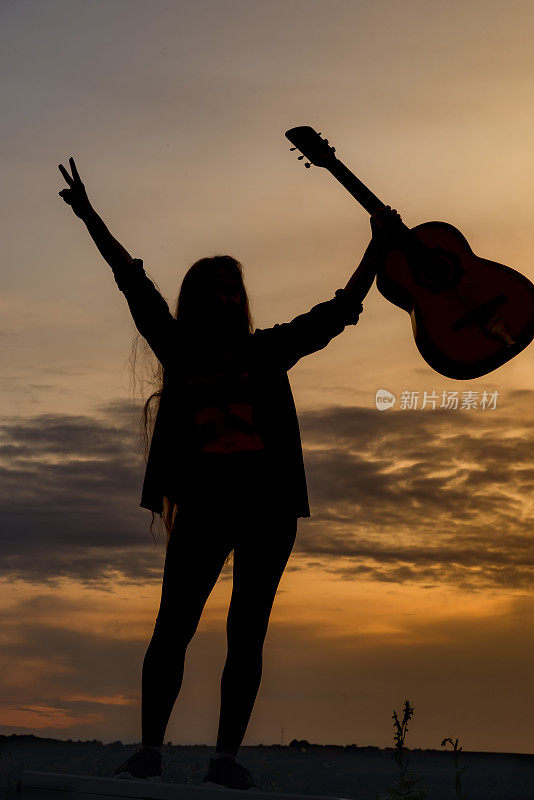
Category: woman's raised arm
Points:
column 286, row 343
column 383, row 220
column 149, row 309
column 76, row 197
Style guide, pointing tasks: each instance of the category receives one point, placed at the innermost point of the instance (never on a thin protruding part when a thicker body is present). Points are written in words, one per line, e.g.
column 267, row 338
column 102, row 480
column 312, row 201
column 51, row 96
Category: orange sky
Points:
column 412, row 578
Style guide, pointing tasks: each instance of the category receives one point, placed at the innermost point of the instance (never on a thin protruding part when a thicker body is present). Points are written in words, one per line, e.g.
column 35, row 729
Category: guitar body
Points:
column 469, row 322
column 469, row 315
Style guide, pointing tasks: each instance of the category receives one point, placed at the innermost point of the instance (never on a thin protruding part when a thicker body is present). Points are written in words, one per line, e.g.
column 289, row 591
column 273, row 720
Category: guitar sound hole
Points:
column 440, row 272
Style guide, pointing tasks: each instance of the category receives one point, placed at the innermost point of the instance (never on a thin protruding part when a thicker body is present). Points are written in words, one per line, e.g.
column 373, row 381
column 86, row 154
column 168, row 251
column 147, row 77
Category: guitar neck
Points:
column 358, row 190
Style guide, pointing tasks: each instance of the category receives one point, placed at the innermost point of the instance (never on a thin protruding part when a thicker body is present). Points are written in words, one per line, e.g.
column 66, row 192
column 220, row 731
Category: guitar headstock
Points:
column 311, row 145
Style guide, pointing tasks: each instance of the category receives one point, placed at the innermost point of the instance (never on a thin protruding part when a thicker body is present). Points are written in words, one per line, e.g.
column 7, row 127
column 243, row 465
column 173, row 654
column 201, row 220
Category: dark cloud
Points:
column 432, row 497
column 70, row 502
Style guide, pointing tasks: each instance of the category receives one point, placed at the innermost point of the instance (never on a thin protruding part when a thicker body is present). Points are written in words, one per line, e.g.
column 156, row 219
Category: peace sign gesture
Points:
column 75, row 196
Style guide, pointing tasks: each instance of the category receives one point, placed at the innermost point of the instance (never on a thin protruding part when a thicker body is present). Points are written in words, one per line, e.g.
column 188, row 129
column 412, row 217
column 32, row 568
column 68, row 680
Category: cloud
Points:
column 70, row 501
column 434, row 497
column 431, row 497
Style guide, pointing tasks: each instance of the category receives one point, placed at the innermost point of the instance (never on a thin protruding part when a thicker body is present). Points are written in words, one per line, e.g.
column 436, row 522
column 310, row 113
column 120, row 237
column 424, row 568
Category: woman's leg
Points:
column 260, row 557
column 195, row 556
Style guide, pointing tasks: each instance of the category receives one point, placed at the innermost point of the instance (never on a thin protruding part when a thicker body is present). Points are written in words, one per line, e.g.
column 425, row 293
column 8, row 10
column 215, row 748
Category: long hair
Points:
column 195, row 311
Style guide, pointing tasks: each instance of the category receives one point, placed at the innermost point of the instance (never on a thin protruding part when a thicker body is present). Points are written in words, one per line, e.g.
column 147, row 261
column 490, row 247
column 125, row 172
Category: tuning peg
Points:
column 319, row 133
column 292, row 148
column 307, row 164
column 300, row 158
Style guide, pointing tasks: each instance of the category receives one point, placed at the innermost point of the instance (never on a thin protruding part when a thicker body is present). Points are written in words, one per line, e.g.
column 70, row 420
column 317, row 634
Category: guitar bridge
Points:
column 480, row 314
column 496, row 327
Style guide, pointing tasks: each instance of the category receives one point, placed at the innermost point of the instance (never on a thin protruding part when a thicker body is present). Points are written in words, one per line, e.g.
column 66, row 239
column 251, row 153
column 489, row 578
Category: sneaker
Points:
column 144, row 765
column 225, row 771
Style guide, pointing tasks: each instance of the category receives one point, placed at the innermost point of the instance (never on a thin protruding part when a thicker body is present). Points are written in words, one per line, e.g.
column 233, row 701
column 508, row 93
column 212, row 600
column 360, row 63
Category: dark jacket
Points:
column 271, row 353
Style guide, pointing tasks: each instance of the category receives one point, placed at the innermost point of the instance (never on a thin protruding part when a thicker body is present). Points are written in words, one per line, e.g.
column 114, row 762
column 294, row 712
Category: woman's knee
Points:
column 246, row 635
column 246, row 655
column 175, row 628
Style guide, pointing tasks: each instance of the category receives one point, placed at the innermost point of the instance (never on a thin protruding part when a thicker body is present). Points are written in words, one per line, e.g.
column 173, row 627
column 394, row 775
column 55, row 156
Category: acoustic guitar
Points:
column 469, row 315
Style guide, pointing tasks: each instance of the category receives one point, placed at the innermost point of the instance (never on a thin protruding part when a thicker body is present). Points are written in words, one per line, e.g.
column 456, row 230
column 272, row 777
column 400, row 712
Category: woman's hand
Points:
column 383, row 221
column 75, row 196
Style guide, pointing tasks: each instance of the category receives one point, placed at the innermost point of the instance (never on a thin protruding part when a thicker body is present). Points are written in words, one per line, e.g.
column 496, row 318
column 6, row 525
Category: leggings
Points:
column 198, row 548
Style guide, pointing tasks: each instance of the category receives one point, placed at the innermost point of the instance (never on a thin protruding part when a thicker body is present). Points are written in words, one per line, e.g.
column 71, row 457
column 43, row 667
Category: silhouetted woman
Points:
column 226, row 458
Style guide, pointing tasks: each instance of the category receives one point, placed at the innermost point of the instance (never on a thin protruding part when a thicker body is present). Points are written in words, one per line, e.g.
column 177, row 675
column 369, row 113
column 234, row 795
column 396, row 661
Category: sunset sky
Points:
column 413, row 576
